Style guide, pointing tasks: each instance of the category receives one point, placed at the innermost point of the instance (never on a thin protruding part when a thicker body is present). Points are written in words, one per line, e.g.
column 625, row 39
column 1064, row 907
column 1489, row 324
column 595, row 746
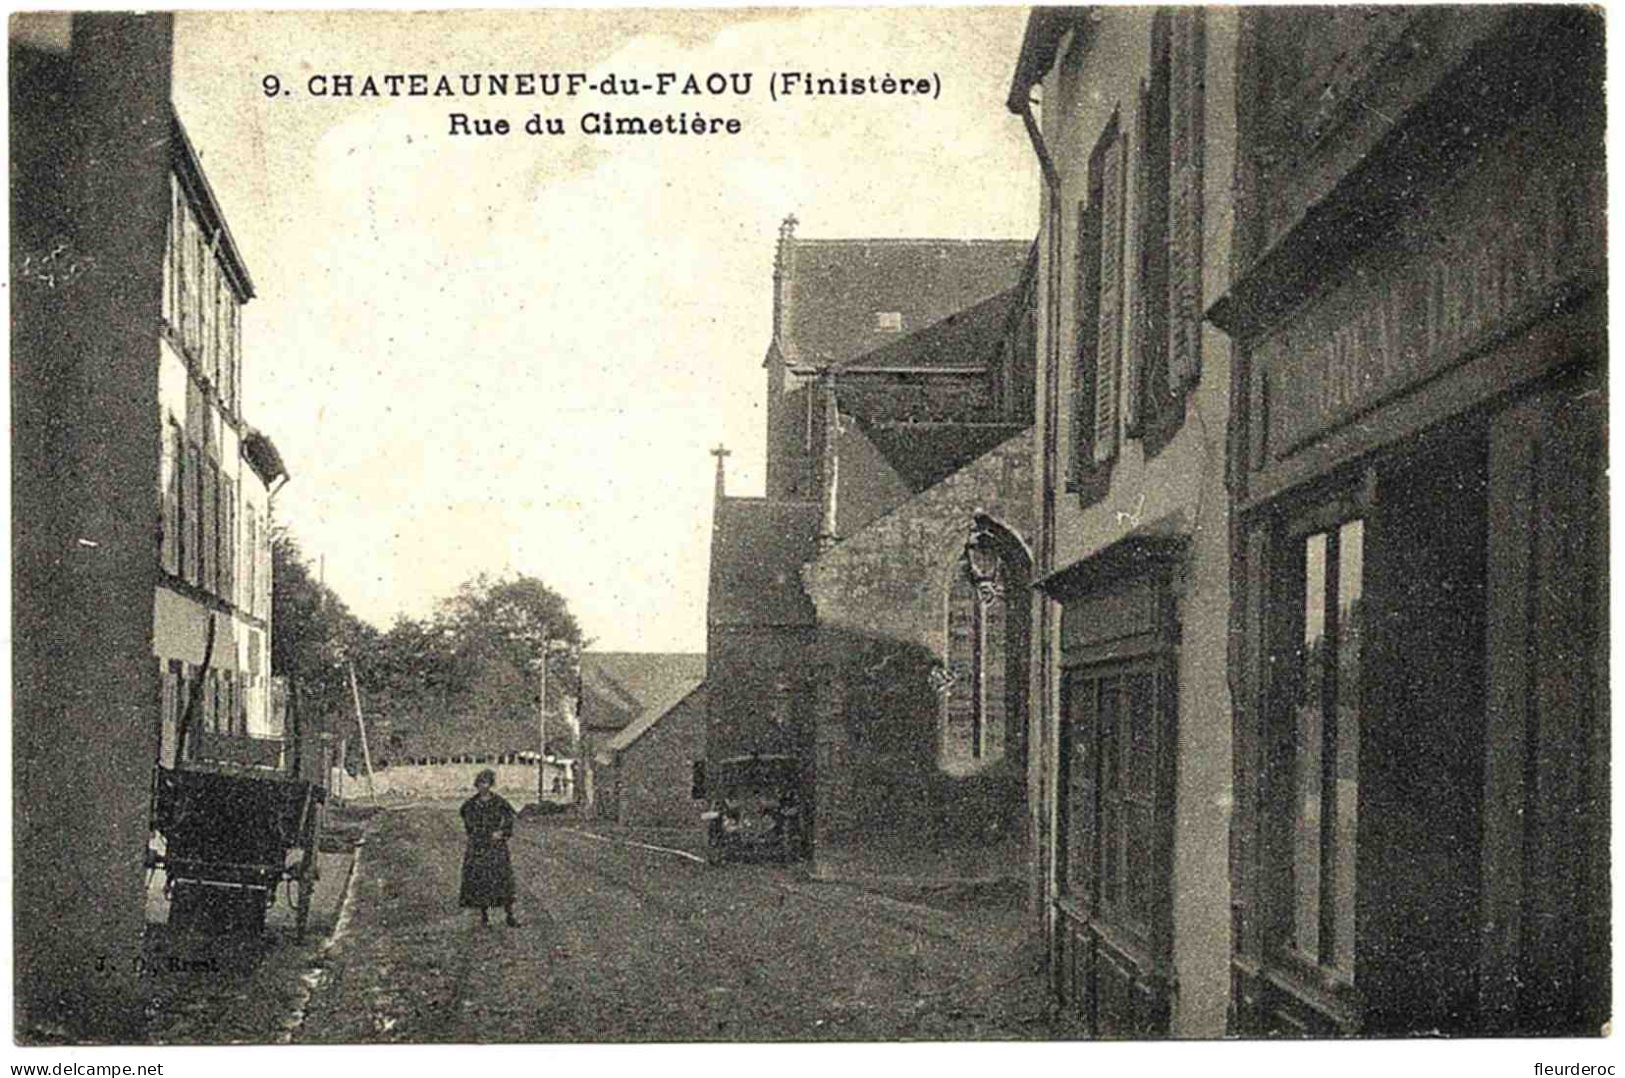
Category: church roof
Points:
column 967, row 339
column 846, row 297
column 618, row 687
column 924, row 454
column 757, row 549
column 925, row 451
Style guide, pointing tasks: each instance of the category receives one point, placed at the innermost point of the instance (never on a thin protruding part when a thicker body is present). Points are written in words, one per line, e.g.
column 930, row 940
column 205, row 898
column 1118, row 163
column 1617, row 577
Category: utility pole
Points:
column 541, row 761
column 361, row 723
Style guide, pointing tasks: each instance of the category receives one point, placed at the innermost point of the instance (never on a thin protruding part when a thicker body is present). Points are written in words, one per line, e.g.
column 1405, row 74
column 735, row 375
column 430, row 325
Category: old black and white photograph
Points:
column 835, row 524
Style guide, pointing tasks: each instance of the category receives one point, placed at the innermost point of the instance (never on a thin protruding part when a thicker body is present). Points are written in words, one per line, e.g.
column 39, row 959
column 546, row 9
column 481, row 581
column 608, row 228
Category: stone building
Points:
column 887, row 370
column 647, row 769
column 921, row 596
column 1418, row 494
column 1131, row 117
column 140, row 500
column 621, row 689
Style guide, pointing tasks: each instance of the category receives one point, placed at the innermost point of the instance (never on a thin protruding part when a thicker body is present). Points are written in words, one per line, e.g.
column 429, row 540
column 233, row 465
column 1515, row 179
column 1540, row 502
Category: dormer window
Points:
column 888, row 321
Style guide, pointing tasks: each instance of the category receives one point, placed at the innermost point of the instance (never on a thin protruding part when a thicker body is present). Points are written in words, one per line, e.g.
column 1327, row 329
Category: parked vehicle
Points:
column 753, row 808
column 237, row 816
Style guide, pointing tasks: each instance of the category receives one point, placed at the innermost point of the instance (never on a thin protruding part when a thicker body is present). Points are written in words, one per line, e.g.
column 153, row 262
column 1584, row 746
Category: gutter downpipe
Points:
column 1045, row 676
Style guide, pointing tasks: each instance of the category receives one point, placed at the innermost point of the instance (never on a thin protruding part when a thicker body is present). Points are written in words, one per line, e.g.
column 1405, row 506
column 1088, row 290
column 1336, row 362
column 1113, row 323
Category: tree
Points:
column 312, row 634
column 476, row 662
column 496, row 631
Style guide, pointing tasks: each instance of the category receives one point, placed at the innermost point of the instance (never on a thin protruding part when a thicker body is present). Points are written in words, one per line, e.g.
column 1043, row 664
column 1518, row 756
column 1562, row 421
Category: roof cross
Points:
column 721, row 452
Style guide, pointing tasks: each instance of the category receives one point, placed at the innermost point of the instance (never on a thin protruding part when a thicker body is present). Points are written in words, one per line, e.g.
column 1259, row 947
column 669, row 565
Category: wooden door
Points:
column 1546, row 942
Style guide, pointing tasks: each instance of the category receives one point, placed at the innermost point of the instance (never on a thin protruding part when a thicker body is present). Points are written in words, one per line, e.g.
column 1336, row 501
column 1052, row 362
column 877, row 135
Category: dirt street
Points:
column 626, row 944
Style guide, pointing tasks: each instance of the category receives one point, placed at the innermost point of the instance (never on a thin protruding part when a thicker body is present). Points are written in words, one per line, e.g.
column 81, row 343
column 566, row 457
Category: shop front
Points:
column 1419, row 591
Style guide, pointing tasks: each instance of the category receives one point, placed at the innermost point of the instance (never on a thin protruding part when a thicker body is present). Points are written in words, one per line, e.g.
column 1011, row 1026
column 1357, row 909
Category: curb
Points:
column 316, row 975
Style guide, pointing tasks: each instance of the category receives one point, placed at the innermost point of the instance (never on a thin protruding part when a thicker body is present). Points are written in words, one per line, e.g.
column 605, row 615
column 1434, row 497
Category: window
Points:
column 888, row 321
column 221, row 303
column 177, row 261
column 208, row 272
column 167, row 304
column 251, row 568
column 228, row 539
column 234, row 352
column 1325, row 737
column 191, row 529
column 1098, row 307
column 192, row 288
column 173, row 451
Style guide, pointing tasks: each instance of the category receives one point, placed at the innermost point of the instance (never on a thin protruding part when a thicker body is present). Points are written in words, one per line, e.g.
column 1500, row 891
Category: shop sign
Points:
column 1512, row 244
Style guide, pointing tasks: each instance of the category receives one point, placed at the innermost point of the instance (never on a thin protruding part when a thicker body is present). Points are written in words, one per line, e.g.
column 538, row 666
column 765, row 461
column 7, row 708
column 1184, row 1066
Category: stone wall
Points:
column 90, row 198
column 515, row 782
column 758, row 690
column 654, row 775
column 889, row 799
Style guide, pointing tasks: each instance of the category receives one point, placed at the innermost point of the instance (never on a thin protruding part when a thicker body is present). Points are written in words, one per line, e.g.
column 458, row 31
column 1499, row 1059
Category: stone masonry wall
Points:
column 886, row 804
column 654, row 775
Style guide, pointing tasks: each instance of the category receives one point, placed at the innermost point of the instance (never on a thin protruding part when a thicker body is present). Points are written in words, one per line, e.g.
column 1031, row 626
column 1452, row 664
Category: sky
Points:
column 512, row 354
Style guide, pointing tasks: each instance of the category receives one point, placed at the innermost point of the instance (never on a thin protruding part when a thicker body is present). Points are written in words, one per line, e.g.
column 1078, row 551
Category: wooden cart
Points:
column 233, row 833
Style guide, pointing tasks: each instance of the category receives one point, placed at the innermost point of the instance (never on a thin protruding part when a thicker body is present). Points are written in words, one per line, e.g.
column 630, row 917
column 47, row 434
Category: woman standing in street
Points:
column 487, row 870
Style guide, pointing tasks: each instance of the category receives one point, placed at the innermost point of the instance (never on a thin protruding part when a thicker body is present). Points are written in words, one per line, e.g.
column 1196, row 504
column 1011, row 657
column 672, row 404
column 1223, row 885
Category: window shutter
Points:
column 211, row 526
column 192, row 525
column 1134, row 375
column 222, row 337
column 228, row 539
column 1086, row 333
column 1109, row 355
column 1185, row 201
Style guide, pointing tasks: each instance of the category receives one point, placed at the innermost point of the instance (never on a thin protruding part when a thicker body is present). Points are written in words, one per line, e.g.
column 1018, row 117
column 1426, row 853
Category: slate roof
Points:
column 646, row 722
column 1046, row 27
column 967, row 338
column 757, row 550
column 619, row 687
column 835, row 288
column 925, row 454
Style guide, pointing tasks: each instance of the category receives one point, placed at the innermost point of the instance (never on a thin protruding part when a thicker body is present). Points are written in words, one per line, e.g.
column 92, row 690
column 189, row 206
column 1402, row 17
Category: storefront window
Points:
column 1326, row 736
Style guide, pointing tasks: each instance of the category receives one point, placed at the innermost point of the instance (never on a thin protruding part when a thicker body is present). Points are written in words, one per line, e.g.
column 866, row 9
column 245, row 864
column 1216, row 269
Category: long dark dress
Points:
column 487, row 870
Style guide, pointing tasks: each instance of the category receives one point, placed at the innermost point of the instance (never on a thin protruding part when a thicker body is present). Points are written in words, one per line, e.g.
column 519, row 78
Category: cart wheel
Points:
column 244, row 910
column 186, row 907
column 305, row 890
